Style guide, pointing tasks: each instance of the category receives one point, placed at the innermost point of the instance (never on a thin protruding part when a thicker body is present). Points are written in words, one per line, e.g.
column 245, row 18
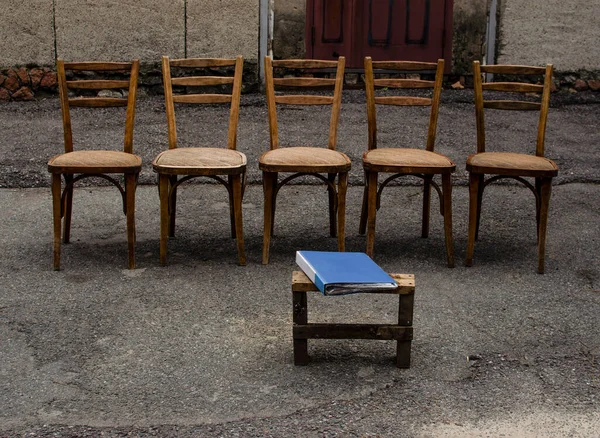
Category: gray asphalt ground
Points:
column 203, row 347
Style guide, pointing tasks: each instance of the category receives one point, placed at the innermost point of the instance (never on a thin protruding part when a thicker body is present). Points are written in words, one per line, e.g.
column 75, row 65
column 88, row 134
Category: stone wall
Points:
column 22, row 83
column 35, row 32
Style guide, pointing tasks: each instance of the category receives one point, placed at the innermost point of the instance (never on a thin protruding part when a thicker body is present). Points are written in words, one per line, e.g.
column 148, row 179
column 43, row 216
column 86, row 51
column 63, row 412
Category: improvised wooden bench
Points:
column 401, row 332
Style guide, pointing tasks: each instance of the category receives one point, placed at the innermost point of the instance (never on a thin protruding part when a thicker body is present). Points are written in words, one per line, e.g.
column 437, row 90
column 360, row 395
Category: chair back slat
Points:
column 404, row 65
column 313, row 67
column 304, row 63
column 403, row 83
column 202, row 62
column 403, row 100
column 516, row 87
column 517, row 105
column 98, row 66
column 202, row 98
column 520, row 105
column 97, row 84
column 513, row 69
column 304, row 99
column 97, row 102
column 89, row 85
column 304, row 82
column 201, row 81
column 232, row 98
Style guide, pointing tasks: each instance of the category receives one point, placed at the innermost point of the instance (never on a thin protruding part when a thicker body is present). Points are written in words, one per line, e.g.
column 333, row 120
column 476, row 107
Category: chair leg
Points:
column 231, row 207
column 56, row 213
column 172, row 205
column 538, row 200
column 341, row 210
column 332, row 209
column 274, row 203
column 68, row 209
column 372, row 211
column 268, row 214
column 545, row 192
column 473, row 208
column 130, row 187
column 163, row 190
column 426, row 206
column 236, row 188
column 479, row 203
column 447, row 195
column 362, row 228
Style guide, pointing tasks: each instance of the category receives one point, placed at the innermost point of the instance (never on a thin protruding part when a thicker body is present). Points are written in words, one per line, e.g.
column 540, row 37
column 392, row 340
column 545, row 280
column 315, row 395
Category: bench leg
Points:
column 405, row 316
column 300, row 317
column 403, row 354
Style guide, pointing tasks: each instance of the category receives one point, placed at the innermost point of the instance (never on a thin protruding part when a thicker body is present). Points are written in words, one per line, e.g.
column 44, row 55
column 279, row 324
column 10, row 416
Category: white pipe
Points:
column 263, row 36
column 490, row 38
column 271, row 25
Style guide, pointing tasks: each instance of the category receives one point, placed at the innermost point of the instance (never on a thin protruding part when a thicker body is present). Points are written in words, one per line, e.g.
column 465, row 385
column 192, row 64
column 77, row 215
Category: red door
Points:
column 418, row 30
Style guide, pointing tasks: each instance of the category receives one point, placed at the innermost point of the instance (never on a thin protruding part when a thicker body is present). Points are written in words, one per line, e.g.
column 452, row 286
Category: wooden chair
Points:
column 507, row 164
column 76, row 165
column 177, row 165
column 400, row 161
column 304, row 160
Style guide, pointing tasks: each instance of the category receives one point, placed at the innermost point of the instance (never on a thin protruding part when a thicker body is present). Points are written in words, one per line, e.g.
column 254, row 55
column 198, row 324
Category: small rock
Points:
column 11, row 82
column 580, row 85
column 4, row 95
column 568, row 80
column 109, row 93
column 23, row 76
column 351, row 79
column 49, row 80
column 457, row 85
column 2, row 78
column 23, row 93
column 594, row 85
column 413, row 76
column 36, row 76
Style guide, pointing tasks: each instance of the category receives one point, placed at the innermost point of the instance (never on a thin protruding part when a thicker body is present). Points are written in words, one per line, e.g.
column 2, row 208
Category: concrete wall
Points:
column 126, row 29
column 26, row 32
column 468, row 33
column 565, row 33
column 288, row 28
column 222, row 28
column 123, row 30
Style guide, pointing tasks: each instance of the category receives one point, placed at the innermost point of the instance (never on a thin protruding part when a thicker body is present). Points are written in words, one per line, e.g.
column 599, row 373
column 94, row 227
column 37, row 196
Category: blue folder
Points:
column 340, row 273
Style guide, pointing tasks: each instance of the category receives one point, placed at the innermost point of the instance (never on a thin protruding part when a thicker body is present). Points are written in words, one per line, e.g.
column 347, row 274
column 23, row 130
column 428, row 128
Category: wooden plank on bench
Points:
column 353, row 331
column 406, row 283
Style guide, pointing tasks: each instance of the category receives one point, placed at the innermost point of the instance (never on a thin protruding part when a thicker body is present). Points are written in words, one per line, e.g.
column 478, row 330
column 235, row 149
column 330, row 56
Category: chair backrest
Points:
column 206, row 66
column 115, row 68
column 313, row 66
column 401, row 67
column 518, row 87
